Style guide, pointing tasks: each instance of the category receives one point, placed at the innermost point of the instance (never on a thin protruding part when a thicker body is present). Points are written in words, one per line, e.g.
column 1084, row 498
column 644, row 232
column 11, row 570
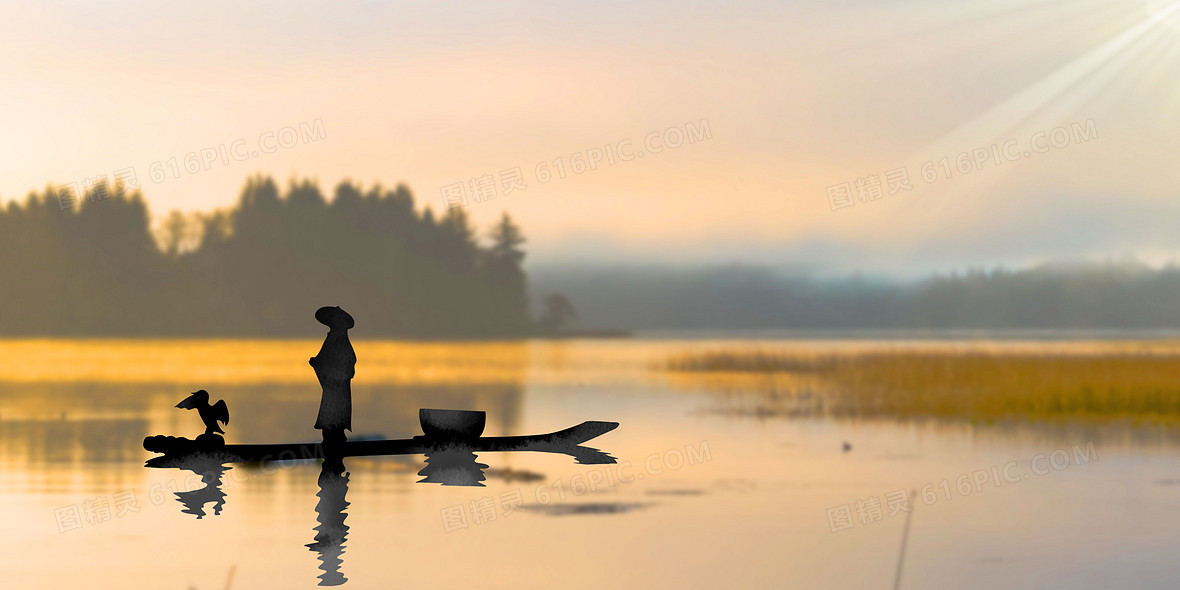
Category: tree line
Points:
column 1084, row 296
column 260, row 268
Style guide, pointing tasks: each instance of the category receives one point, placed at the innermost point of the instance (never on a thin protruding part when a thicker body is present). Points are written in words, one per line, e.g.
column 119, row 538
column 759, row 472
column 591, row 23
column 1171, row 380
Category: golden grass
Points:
column 972, row 385
column 754, row 361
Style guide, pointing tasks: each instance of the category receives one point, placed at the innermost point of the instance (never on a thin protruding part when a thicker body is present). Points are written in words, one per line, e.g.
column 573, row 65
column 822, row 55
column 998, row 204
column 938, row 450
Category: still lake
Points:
column 713, row 489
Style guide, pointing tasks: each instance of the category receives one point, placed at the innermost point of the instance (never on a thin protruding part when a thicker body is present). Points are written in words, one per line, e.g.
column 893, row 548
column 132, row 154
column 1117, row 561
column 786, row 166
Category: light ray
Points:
column 1023, row 104
column 1044, row 102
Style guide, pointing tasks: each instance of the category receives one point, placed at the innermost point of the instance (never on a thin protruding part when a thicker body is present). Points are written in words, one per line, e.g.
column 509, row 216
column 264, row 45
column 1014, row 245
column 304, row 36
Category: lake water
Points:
column 712, row 490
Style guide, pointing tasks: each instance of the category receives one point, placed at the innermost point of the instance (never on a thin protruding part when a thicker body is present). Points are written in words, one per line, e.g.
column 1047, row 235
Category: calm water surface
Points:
column 714, row 487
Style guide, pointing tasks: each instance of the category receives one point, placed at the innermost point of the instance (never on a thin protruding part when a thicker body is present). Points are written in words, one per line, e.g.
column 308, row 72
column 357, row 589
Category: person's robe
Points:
column 335, row 366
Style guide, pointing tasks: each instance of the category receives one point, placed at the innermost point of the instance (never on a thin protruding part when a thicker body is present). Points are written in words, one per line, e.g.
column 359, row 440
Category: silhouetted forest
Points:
column 1054, row 296
column 261, row 268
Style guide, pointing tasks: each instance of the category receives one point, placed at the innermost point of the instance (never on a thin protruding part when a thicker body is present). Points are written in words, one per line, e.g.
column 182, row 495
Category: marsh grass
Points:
column 753, row 361
column 978, row 386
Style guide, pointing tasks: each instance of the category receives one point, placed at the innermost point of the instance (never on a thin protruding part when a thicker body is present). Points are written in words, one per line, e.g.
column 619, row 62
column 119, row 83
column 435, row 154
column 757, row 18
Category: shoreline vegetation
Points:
column 96, row 267
column 979, row 386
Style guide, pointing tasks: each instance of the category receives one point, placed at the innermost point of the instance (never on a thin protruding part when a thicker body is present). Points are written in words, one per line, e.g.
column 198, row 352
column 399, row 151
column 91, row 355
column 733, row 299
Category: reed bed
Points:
column 972, row 385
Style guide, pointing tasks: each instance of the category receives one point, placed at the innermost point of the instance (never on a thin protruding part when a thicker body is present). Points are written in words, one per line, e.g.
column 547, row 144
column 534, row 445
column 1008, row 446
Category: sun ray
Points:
column 1045, row 103
column 1021, row 105
column 1069, row 100
column 1133, row 86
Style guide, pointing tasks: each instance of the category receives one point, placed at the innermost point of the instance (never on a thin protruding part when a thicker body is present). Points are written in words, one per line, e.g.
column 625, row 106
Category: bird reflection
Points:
column 194, row 501
column 210, row 469
column 331, row 531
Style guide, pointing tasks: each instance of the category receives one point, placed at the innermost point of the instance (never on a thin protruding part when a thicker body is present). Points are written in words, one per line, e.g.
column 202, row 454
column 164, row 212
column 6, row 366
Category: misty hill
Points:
column 259, row 269
column 1077, row 296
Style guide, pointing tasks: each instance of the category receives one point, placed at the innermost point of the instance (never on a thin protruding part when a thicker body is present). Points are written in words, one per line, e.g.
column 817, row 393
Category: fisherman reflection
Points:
column 331, row 531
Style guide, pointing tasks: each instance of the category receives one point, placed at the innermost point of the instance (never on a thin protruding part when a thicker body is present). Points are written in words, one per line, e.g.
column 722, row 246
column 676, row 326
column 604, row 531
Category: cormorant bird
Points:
column 210, row 414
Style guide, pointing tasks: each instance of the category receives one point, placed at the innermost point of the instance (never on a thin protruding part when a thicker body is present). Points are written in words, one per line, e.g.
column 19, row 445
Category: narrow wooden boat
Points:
column 446, row 430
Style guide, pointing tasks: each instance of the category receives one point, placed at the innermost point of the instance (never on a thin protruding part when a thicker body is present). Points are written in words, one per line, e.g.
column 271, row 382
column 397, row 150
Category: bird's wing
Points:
column 221, row 411
column 189, row 403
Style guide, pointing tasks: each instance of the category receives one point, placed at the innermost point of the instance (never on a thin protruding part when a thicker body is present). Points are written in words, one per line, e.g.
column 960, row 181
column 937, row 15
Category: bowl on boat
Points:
column 453, row 424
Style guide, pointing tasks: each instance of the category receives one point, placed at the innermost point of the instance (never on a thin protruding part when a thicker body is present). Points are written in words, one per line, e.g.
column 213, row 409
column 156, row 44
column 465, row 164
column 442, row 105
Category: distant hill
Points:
column 1059, row 296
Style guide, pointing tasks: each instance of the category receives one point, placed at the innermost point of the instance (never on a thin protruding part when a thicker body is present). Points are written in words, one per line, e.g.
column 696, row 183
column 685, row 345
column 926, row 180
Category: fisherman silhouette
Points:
column 210, row 414
column 335, row 366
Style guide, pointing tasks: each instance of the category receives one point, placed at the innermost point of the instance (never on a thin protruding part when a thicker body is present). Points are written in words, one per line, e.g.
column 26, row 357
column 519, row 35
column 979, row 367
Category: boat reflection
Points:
column 453, row 466
column 449, row 442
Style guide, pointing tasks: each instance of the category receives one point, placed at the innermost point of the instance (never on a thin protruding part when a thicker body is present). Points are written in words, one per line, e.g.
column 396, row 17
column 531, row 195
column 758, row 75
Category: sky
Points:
column 1066, row 110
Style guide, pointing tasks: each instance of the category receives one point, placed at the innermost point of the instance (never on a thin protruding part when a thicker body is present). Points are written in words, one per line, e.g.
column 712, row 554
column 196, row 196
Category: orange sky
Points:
column 797, row 99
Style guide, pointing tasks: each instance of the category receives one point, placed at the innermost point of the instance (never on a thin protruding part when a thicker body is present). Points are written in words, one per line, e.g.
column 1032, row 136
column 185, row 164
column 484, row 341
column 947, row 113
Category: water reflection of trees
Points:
column 286, row 413
column 73, row 440
column 105, row 422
